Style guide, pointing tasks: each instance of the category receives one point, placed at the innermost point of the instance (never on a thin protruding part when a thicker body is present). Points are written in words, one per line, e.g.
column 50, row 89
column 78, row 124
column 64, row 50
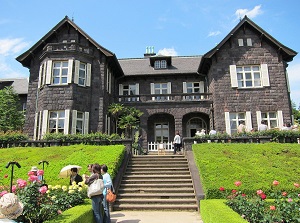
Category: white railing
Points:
column 154, row 146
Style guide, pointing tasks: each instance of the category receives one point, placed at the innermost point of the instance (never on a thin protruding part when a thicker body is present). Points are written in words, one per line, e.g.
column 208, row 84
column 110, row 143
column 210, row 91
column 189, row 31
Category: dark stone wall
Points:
column 226, row 98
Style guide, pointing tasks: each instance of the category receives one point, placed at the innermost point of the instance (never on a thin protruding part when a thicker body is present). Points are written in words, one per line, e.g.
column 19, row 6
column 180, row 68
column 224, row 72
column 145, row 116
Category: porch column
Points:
column 178, row 125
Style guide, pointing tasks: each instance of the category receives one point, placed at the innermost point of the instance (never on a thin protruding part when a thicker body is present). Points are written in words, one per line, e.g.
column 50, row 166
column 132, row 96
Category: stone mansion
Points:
column 73, row 80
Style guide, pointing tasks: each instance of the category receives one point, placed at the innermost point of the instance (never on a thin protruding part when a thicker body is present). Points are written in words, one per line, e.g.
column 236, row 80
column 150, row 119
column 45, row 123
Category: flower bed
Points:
column 43, row 202
column 255, row 208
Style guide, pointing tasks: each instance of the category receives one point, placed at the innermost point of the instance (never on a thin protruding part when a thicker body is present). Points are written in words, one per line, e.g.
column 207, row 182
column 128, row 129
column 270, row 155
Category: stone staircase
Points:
column 154, row 182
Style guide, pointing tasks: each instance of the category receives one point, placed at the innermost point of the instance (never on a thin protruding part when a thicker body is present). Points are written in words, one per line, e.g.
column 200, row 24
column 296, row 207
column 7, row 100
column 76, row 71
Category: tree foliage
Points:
column 296, row 112
column 11, row 118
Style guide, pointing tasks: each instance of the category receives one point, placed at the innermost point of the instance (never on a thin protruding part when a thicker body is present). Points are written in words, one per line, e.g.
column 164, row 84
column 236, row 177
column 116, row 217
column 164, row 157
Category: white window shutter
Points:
column 258, row 117
column 40, row 126
column 70, row 71
column 40, row 75
column 44, row 74
column 233, row 76
column 120, row 89
column 280, row 119
column 66, row 124
column 184, row 88
column 74, row 121
column 108, row 125
column 227, row 123
column 35, row 125
column 287, row 81
column 76, row 75
column 88, row 74
column 265, row 75
column 86, row 123
column 248, row 121
column 109, row 86
column 49, row 72
column 241, row 42
column 249, row 42
column 45, row 123
column 201, row 84
column 137, row 90
column 169, row 88
column 152, row 90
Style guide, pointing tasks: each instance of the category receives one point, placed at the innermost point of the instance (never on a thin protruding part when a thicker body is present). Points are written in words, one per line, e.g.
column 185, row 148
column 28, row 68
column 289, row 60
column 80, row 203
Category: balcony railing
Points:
column 165, row 97
column 69, row 46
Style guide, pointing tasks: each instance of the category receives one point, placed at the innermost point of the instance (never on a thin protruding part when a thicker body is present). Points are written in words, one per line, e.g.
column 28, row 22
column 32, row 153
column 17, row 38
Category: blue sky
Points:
column 173, row 27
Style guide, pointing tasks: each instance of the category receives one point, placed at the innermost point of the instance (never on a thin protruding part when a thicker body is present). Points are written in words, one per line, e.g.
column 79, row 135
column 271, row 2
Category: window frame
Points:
column 160, row 64
column 163, row 137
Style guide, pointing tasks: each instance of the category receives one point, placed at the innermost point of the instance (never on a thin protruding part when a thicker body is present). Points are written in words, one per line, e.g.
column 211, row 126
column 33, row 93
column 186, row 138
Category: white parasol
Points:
column 66, row 171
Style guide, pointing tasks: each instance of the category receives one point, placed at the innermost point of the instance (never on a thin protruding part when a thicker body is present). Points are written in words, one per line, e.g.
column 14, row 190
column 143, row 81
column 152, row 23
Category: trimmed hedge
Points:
column 216, row 211
column 78, row 214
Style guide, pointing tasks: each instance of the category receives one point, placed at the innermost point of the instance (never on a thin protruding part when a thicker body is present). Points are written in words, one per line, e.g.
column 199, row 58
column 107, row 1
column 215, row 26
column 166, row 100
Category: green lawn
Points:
column 59, row 157
column 255, row 165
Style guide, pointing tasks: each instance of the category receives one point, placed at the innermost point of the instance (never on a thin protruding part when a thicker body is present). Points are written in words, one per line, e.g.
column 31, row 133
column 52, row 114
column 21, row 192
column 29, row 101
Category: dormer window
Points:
column 160, row 64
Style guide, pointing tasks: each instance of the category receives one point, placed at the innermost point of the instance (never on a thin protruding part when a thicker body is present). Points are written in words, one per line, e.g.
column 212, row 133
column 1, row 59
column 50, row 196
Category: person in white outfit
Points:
column 177, row 142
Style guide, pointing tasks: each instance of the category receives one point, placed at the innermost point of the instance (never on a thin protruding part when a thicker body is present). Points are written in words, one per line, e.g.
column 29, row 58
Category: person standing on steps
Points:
column 177, row 142
column 107, row 185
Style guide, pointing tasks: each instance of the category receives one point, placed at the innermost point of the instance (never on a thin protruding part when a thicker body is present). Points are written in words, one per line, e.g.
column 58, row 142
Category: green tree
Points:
column 295, row 112
column 11, row 118
column 116, row 109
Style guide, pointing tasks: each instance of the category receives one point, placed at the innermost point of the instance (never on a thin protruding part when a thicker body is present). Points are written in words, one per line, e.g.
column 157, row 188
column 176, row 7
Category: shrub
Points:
column 42, row 202
column 256, row 209
column 12, row 136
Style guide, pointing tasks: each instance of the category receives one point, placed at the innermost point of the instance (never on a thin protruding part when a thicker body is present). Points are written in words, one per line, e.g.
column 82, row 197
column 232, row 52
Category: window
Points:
column 129, row 90
column 241, row 42
column 272, row 118
column 251, row 76
column 160, row 64
column 248, row 76
column 108, row 80
column 249, row 42
column 82, row 73
column 193, row 88
column 162, row 132
column 232, row 121
column 60, row 72
column 80, row 122
column 161, row 88
column 56, row 121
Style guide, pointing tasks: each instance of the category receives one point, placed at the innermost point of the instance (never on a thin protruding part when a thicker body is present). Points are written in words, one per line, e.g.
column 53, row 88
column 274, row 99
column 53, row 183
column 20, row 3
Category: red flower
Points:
column 14, row 188
column 40, row 172
column 222, row 189
column 5, row 176
column 30, row 173
column 244, row 195
column 233, row 191
column 273, row 208
column 43, row 189
column 32, row 178
column 263, row 196
column 296, row 185
column 275, row 182
column 3, row 192
column 238, row 183
column 259, row 192
column 284, row 193
column 21, row 183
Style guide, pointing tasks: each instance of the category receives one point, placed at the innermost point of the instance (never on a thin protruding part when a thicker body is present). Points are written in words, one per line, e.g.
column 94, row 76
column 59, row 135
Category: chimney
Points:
column 149, row 52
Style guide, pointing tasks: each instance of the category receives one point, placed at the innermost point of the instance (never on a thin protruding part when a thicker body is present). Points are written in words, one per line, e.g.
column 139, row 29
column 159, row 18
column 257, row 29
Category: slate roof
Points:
column 20, row 85
column 141, row 66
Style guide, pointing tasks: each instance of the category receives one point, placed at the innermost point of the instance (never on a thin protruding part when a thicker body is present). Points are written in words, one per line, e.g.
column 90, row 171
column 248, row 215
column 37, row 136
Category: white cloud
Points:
column 215, row 33
column 240, row 13
column 12, row 46
column 167, row 52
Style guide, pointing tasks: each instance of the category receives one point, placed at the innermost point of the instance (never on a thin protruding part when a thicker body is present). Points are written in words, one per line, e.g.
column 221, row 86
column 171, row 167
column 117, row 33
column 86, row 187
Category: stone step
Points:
column 156, row 196
column 155, row 201
column 156, row 168
column 164, row 207
column 139, row 177
column 147, row 185
column 162, row 165
column 169, row 172
column 156, row 190
column 157, row 181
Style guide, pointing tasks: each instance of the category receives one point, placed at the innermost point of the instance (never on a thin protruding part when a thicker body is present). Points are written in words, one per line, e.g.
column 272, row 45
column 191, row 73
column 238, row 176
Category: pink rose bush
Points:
column 281, row 207
column 43, row 202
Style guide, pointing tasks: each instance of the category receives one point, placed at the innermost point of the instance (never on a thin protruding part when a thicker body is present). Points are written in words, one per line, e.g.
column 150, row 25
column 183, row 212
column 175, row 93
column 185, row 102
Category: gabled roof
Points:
column 287, row 53
column 142, row 66
column 25, row 57
column 20, row 85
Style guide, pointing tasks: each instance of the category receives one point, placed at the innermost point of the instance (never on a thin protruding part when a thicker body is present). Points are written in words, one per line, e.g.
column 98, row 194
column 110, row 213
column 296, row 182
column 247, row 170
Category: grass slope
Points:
column 59, row 157
column 255, row 165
